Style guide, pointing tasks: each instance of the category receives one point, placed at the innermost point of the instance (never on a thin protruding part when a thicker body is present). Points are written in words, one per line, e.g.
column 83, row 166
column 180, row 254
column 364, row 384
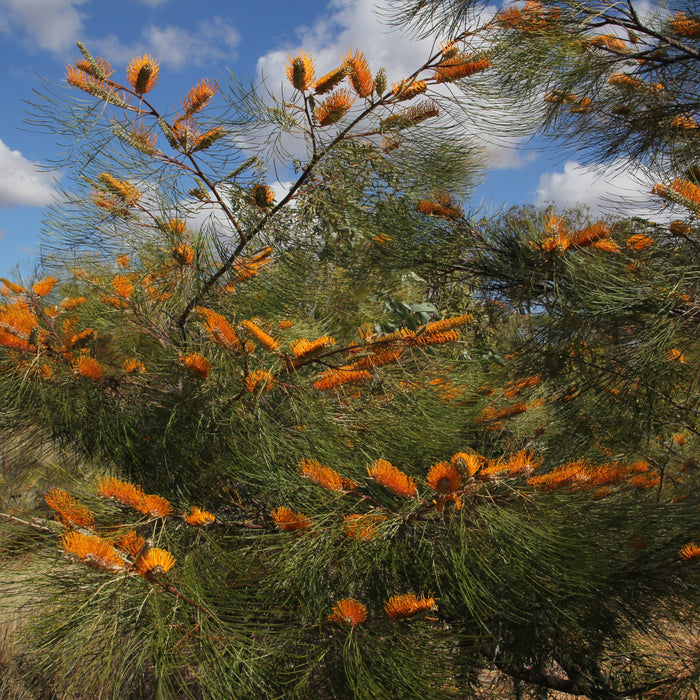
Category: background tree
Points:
column 353, row 443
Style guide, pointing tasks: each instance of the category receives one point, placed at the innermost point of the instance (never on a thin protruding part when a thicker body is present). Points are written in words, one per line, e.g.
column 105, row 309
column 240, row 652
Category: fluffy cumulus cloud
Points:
column 51, row 25
column 175, row 47
column 616, row 187
column 23, row 183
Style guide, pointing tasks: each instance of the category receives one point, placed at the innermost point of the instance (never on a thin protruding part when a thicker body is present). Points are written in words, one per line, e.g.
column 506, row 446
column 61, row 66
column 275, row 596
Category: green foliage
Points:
column 476, row 435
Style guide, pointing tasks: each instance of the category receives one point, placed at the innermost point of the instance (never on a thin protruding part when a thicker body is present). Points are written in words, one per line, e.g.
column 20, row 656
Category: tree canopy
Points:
column 347, row 439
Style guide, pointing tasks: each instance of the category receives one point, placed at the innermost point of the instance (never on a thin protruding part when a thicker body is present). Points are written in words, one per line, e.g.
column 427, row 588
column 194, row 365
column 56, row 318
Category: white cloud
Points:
column 153, row 3
column 211, row 40
column 23, row 183
column 52, row 25
column 616, row 188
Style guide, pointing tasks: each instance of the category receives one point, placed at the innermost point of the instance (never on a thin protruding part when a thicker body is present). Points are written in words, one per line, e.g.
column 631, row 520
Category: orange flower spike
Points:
column 89, row 367
column 260, row 335
column 93, row 551
column 324, row 476
column 142, row 74
column 302, row 347
column 675, row 355
column 289, row 520
column 133, row 366
column 263, row 195
column 348, row 611
column 69, row 511
column 259, row 379
column 121, row 491
column 196, row 363
column 471, row 463
column 444, row 477
column 122, row 286
column 392, row 478
column 330, row 80
column 359, row 73
column 333, row 109
column 198, row 516
column 154, row 506
column 690, row 551
column 156, row 561
column 44, row 286
column 639, row 242
column 400, row 606
column 199, row 97
column 300, row 71
column 131, row 543
column 182, row 254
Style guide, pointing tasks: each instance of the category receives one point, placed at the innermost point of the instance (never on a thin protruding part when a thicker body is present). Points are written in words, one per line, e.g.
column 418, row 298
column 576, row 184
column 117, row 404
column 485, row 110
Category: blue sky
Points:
column 202, row 39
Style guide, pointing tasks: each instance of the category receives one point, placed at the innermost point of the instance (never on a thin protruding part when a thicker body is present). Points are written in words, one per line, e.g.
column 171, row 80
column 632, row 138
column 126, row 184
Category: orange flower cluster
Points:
column 245, row 268
column 596, row 235
column 325, row 476
column 675, row 355
column 125, row 192
column 219, row 329
column 265, row 339
column 334, row 107
column 89, row 367
column 362, row 526
column 533, row 17
column 608, row 41
column 198, row 97
column 639, row 242
column 690, row 552
column 44, row 286
column 131, row 366
column 466, row 462
column 182, row 254
column 684, row 26
column 155, row 561
column 16, row 325
column 408, row 90
column 580, row 475
column 680, row 191
column 259, row 379
column 300, row 71
column 392, row 478
column 131, row 543
column 69, row 512
column 196, row 363
column 348, row 612
column 142, row 74
column 263, row 196
column 519, row 464
column 123, row 287
column 333, row 378
column 444, row 205
column 400, row 606
column 134, row 497
column 302, row 347
column 684, row 121
column 330, row 80
column 459, row 66
column 444, row 477
column 359, row 73
column 93, row 551
column 289, row 520
column 198, row 517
